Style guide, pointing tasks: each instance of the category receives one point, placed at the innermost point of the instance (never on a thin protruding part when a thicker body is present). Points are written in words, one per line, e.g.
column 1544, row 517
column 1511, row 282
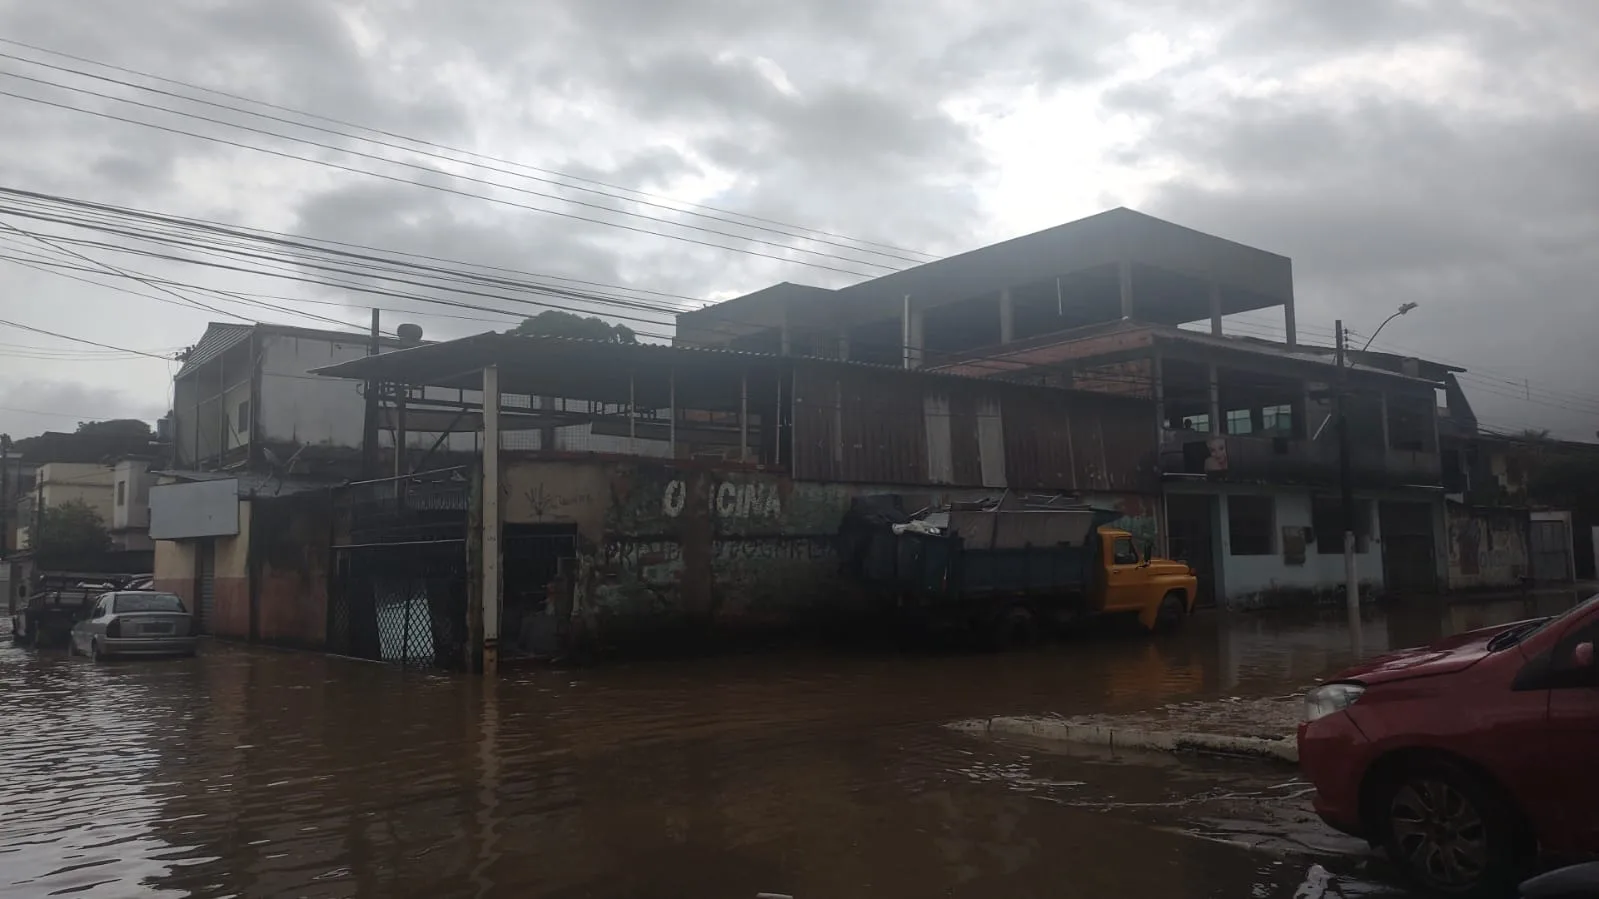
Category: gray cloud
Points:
column 1482, row 211
column 1277, row 123
column 35, row 405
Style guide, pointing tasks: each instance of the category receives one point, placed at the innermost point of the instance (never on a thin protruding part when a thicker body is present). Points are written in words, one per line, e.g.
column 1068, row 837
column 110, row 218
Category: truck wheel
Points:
column 1015, row 628
column 1173, row 610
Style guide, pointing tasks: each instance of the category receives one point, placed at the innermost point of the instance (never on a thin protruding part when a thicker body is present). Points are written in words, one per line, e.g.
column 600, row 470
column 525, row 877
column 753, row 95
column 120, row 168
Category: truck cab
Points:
column 1131, row 579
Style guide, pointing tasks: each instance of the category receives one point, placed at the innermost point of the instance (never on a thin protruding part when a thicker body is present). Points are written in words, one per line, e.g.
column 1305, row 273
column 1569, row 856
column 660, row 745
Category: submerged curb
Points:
column 1276, row 749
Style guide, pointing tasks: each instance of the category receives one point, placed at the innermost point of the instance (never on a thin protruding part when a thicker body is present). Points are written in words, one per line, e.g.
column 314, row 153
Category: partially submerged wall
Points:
column 1487, row 547
column 684, row 550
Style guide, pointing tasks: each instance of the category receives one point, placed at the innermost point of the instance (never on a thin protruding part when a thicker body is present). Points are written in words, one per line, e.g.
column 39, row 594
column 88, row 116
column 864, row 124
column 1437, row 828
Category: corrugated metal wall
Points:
column 898, row 428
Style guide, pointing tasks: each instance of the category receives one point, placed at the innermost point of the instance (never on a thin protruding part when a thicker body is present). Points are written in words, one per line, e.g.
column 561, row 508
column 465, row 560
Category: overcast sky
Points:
column 1436, row 152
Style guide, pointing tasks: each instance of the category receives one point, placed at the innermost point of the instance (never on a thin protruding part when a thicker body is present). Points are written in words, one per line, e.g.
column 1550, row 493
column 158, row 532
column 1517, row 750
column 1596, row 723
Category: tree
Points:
column 70, row 533
column 130, row 429
column 555, row 323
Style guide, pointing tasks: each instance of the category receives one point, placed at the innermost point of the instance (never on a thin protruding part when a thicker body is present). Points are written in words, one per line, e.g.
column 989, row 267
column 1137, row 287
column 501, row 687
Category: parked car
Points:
column 1467, row 758
column 126, row 623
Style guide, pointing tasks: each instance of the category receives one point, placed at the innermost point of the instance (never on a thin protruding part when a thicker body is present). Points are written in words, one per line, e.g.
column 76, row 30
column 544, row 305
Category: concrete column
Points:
column 1382, row 401
column 1288, row 322
column 1007, row 317
column 843, row 345
column 1157, row 377
column 911, row 333
column 783, row 340
column 1215, row 400
column 1215, row 309
column 1125, row 273
column 743, row 416
column 491, row 521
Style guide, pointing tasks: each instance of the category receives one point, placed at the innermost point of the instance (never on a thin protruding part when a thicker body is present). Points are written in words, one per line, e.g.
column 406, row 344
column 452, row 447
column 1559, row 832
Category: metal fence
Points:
column 402, row 603
column 398, row 588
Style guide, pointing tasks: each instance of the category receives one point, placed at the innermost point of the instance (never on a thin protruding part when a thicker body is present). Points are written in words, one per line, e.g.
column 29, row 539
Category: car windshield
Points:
column 1518, row 634
column 147, row 602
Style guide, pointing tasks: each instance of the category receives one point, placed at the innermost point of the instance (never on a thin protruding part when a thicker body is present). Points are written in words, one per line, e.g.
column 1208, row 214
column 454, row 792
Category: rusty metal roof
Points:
column 590, row 369
column 220, row 337
column 1064, row 346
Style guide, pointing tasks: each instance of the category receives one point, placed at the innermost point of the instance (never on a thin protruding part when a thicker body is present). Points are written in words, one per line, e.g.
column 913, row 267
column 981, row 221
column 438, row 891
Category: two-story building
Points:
column 1126, row 304
column 717, row 510
column 255, row 437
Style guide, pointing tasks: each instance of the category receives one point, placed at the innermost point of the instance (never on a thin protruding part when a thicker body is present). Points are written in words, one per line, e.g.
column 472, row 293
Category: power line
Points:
column 431, row 171
column 107, row 346
column 808, row 235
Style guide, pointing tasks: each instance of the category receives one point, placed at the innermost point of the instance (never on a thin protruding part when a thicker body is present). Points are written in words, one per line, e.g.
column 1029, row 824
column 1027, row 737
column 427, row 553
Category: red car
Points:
column 1467, row 758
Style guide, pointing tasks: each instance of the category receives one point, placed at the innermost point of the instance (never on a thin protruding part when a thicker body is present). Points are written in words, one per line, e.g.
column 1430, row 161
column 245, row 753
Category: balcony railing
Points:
column 1290, row 459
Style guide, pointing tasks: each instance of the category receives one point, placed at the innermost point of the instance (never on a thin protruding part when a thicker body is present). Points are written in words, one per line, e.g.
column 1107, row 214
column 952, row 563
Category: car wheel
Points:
column 1170, row 616
column 1451, row 833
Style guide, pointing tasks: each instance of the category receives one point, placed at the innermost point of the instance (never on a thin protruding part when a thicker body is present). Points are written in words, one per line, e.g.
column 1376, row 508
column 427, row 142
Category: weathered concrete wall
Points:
column 678, row 548
column 1487, row 547
column 174, row 569
column 291, row 579
column 1271, row 580
column 233, row 581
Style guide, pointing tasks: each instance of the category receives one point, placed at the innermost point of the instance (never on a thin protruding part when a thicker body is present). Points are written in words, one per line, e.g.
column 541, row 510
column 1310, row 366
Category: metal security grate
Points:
column 403, row 604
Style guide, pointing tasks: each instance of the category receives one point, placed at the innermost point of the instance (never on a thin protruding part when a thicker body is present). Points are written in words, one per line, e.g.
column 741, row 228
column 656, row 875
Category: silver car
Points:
column 135, row 622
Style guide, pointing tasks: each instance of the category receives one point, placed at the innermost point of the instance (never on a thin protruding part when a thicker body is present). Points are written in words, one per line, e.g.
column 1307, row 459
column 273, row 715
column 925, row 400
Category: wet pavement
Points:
column 254, row 772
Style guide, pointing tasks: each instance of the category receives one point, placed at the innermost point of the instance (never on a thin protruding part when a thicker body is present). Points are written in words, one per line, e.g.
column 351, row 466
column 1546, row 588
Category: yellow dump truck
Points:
column 1013, row 568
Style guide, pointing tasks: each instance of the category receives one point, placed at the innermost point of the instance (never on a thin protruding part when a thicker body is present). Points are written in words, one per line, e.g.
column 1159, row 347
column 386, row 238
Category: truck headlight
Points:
column 1329, row 698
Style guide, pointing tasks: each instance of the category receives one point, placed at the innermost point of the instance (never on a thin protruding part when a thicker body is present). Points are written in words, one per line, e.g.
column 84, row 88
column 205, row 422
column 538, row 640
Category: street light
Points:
column 1402, row 310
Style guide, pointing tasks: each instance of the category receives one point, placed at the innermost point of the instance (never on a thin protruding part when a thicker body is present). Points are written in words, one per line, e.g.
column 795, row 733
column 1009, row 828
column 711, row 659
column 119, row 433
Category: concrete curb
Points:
column 1281, row 749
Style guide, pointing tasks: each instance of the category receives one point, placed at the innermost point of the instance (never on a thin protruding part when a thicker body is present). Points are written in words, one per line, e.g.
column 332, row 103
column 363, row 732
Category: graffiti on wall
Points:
column 1486, row 549
column 639, row 554
column 727, row 500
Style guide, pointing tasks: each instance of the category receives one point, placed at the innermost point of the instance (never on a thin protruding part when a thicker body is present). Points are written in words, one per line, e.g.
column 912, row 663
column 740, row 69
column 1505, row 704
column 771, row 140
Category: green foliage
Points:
column 555, row 323
column 131, row 429
column 70, row 531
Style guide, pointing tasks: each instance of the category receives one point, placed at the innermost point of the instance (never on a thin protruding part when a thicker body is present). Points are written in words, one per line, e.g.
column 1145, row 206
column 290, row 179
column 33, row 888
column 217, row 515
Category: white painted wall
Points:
column 64, row 482
column 304, row 408
column 1246, row 575
column 132, row 480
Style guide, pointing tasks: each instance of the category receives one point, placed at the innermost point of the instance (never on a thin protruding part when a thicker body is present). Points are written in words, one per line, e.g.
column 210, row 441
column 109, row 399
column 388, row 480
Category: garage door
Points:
column 206, row 577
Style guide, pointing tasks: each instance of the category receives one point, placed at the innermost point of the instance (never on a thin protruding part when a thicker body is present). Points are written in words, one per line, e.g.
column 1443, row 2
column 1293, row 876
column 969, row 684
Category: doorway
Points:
column 1191, row 525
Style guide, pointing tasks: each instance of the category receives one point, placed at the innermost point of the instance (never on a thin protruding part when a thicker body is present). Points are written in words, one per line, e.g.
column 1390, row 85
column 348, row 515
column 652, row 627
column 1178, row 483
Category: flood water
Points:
column 255, row 772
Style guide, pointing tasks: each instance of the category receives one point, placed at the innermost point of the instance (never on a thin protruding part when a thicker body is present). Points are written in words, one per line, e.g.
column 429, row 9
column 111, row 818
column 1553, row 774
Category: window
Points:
column 1200, row 422
column 1126, row 553
column 1240, row 421
column 1327, row 520
column 122, row 493
column 1250, row 524
column 1278, row 419
column 243, row 426
column 148, row 602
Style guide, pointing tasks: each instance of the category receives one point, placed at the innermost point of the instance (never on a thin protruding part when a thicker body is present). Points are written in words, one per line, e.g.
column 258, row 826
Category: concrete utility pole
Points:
column 5, row 495
column 369, row 429
column 1347, row 489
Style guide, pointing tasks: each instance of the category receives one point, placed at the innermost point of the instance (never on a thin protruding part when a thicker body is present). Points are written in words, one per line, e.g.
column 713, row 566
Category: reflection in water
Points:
column 260, row 773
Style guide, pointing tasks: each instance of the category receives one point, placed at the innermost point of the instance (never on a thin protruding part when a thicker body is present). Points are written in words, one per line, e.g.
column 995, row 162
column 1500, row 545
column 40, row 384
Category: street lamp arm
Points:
column 1401, row 311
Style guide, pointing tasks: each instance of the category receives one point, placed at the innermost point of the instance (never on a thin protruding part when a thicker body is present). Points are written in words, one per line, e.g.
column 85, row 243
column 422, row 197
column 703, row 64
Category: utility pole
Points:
column 1347, row 489
column 369, row 431
column 5, row 495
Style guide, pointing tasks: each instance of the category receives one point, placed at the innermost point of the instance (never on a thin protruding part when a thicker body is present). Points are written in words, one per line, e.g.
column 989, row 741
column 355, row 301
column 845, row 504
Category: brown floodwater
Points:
column 822, row 775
